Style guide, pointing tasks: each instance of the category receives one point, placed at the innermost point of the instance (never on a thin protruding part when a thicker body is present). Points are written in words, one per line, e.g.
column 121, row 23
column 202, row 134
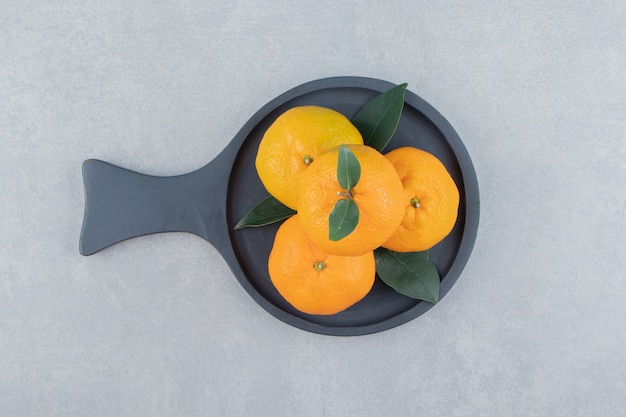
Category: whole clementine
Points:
column 293, row 141
column 312, row 280
column 378, row 195
column 430, row 202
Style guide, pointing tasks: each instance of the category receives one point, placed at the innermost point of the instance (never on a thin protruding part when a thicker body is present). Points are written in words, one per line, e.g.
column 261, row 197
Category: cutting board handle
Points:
column 121, row 204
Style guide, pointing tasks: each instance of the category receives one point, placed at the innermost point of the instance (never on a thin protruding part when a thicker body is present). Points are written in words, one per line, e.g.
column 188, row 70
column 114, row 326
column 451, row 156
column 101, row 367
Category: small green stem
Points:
column 319, row 266
column 415, row 202
column 307, row 160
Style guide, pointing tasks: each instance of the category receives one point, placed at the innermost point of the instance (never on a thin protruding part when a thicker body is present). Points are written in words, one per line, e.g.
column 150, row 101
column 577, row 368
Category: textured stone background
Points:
column 158, row 326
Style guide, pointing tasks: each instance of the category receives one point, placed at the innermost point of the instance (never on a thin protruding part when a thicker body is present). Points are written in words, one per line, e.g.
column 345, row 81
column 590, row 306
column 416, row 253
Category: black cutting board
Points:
column 121, row 204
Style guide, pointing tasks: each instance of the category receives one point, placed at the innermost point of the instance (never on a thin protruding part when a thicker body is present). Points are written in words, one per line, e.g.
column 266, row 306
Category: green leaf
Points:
column 378, row 119
column 267, row 211
column 343, row 219
column 409, row 273
column 348, row 168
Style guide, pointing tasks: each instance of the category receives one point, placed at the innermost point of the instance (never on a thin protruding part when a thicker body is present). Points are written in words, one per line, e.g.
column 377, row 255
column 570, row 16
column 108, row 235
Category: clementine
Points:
column 378, row 195
column 312, row 280
column 293, row 141
column 430, row 202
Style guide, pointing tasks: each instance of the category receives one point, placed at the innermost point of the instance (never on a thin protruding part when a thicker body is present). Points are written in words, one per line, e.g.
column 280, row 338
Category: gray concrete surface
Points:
column 158, row 326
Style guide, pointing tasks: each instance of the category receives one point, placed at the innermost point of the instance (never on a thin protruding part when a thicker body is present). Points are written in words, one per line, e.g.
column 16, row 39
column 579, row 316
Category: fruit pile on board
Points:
column 349, row 209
